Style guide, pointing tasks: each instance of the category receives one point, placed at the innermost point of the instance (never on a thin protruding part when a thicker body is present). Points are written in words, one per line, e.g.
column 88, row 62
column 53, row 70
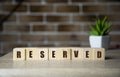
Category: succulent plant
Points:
column 102, row 27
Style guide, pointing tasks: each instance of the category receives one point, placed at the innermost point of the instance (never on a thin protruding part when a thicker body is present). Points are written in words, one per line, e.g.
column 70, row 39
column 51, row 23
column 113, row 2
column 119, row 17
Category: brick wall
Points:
column 55, row 22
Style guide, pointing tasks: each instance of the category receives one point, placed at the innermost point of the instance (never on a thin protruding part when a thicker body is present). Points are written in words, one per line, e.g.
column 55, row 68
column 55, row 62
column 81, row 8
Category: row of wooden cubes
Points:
column 70, row 53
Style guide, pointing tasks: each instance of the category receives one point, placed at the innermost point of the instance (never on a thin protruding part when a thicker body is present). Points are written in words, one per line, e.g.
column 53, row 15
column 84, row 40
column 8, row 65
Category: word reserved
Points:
column 68, row 53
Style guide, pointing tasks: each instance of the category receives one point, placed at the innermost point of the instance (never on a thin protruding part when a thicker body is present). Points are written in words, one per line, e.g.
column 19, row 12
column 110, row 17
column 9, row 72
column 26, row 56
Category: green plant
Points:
column 102, row 27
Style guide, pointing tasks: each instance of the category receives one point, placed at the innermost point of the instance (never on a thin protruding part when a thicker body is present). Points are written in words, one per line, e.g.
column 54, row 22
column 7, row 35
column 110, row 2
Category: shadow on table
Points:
column 2, row 55
column 110, row 58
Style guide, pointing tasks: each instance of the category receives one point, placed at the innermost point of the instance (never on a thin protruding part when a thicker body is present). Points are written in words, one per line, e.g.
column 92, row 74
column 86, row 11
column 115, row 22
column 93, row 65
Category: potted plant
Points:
column 99, row 35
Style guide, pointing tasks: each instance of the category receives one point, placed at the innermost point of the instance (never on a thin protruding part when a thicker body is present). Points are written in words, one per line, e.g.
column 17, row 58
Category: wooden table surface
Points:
column 108, row 68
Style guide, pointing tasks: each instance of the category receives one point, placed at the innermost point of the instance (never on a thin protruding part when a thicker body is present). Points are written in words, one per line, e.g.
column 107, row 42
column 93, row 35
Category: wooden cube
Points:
column 77, row 53
column 19, row 54
column 42, row 54
column 53, row 53
column 31, row 54
column 59, row 54
column 99, row 54
column 88, row 53
column 66, row 53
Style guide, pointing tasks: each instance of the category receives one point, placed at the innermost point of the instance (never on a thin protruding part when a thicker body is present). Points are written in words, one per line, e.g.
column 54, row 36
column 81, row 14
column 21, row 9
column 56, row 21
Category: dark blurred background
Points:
column 51, row 23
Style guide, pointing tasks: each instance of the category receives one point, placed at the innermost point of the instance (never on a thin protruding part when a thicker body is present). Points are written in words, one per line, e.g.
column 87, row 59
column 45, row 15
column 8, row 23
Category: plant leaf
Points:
column 95, row 33
column 109, row 27
column 102, row 27
column 98, row 25
column 103, row 21
column 105, row 30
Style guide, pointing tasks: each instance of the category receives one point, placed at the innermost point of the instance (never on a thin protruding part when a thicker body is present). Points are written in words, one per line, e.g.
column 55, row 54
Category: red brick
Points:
column 10, row 19
column 95, row 8
column 114, row 38
column 57, row 18
column 8, row 38
column 109, row 0
column 86, row 28
column 43, row 28
column 67, row 8
column 83, row 1
column 114, row 8
column 84, row 18
column 68, row 45
column 32, row 37
column 30, row 1
column 30, row 18
column 56, row 1
column 69, row 28
column 115, row 27
column 58, row 37
column 10, row 7
column 5, row 1
column 16, row 28
column 1, row 28
column 112, row 17
column 114, row 46
column 2, row 16
column 82, row 38
column 43, row 45
column 67, row 37
column 73, row 44
column 41, row 8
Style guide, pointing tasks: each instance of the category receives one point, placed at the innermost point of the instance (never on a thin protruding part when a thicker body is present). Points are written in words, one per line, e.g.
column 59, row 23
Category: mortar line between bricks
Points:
column 81, row 9
column 69, row 2
column 13, row 2
column 19, row 38
column 43, row 2
column 50, row 42
column 82, row 23
column 28, row 9
column 54, row 8
column 1, row 50
column 17, row 19
column 37, row 13
column 70, row 18
column 56, row 27
column 63, row 14
column 75, row 23
column 50, row 13
column 46, row 33
column 44, row 19
column 31, row 28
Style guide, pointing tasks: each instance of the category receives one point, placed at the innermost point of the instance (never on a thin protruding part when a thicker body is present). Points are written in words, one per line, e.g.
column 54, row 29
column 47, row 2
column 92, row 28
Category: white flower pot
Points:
column 99, row 41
